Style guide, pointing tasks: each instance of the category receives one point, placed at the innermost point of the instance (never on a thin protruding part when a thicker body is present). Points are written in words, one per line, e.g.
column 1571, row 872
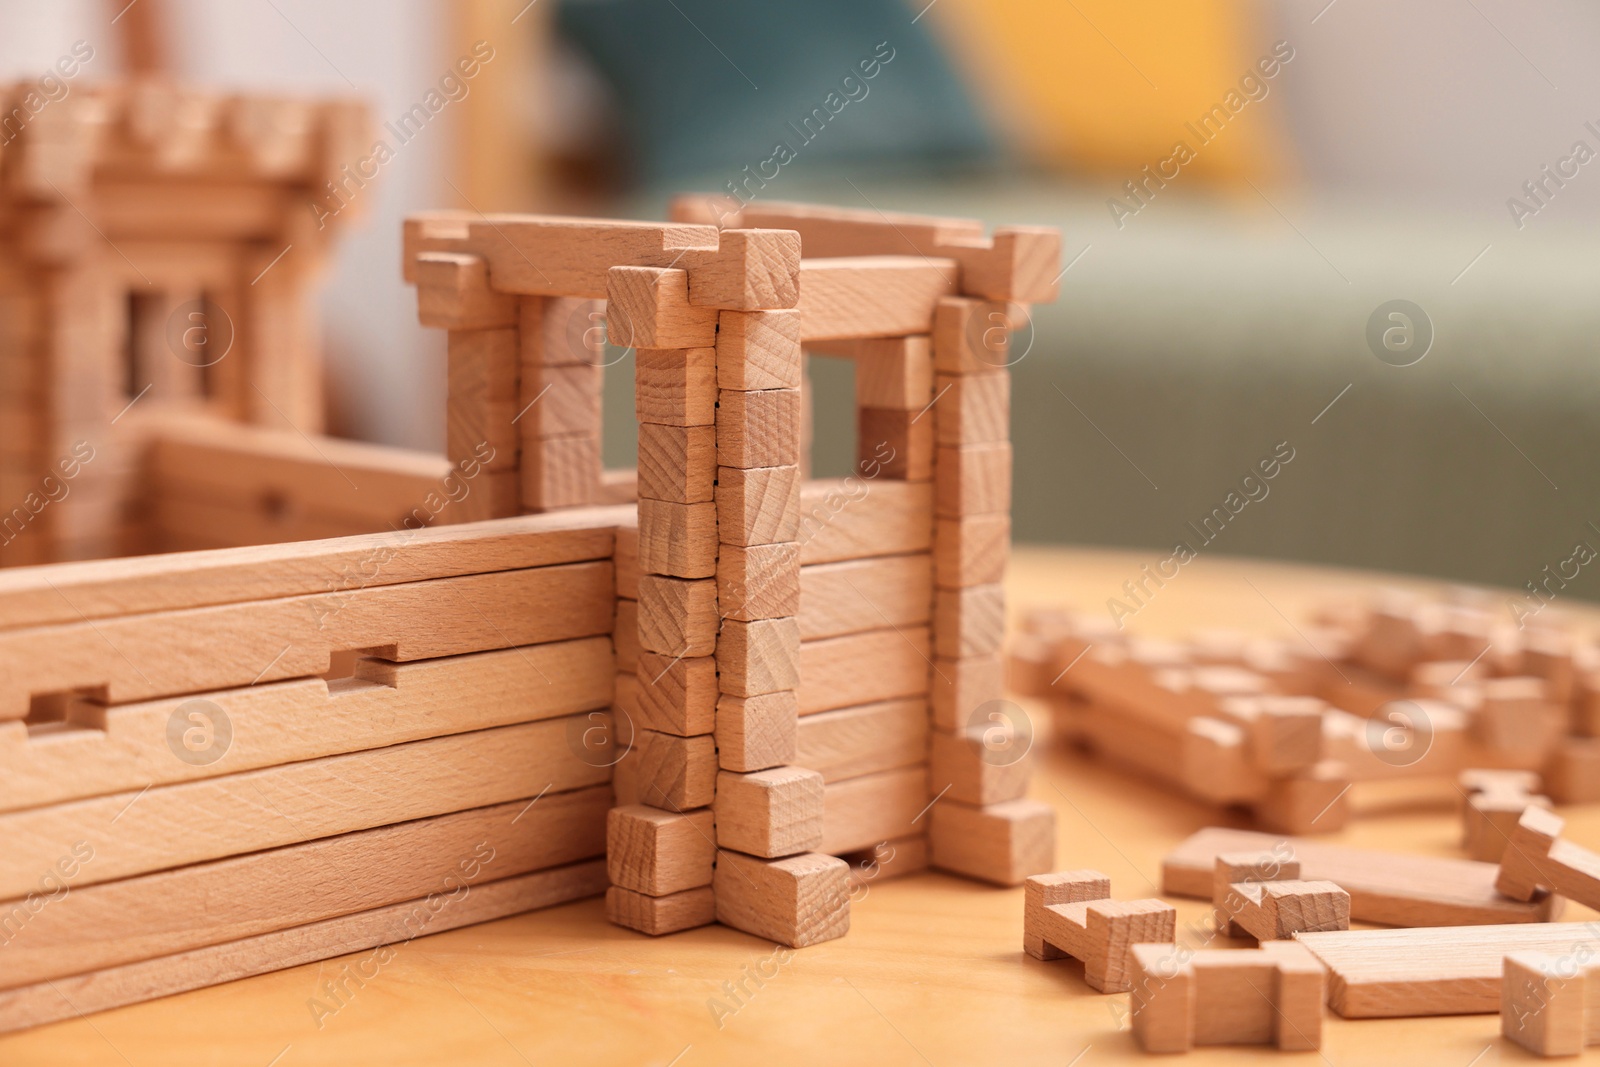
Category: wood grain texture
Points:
column 453, row 294
column 841, row 672
column 677, row 617
column 758, row 506
column 754, row 658
column 1548, row 1003
column 675, row 387
column 795, row 901
column 983, row 763
column 769, row 813
column 972, row 409
column 872, row 808
column 677, row 463
column 759, row 581
column 556, row 400
column 758, row 349
column 1002, row 843
column 971, row 551
column 872, row 296
column 896, row 444
column 661, row 915
column 679, row 540
column 1492, row 802
column 972, row 336
column 560, row 331
column 758, row 732
column 671, row 772
column 1269, row 996
column 852, row 518
column 1538, row 858
column 758, row 428
column 1071, row 914
column 560, row 472
column 677, row 694
column 657, row 852
column 849, row 742
column 193, row 822
column 891, row 372
column 959, row 687
column 968, row 621
column 972, row 480
column 749, row 270
column 648, row 307
column 853, row 596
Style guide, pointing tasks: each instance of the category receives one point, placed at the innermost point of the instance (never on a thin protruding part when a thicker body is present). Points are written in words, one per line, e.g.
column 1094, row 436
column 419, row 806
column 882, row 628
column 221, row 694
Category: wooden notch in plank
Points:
column 648, row 307
column 1537, row 859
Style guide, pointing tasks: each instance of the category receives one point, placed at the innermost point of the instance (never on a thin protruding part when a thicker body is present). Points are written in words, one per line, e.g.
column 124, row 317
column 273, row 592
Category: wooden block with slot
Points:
column 658, row 853
column 675, row 387
column 796, row 901
column 1269, row 996
column 1002, row 843
column 758, row 732
column 661, row 915
column 1261, row 894
column 1492, row 802
column 1071, row 913
column 758, row 350
column 770, row 813
column 748, row 270
column 758, row 428
column 1549, row 1004
column 1537, row 858
column 648, row 307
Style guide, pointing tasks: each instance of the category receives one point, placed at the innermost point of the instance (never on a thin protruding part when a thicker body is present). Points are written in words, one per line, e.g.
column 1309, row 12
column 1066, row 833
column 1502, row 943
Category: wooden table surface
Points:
column 930, row 973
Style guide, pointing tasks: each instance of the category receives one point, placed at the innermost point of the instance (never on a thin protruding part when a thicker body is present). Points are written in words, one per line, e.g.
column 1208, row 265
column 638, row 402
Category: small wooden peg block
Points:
column 972, row 409
column 770, row 813
column 899, row 441
column 961, row 686
column 648, row 307
column 658, row 852
column 1261, row 894
column 1537, row 858
column 748, row 270
column 795, row 901
column 679, row 540
column 1492, row 803
column 759, row 581
column 1002, row 843
column 754, row 658
column 759, row 350
column 1550, row 1004
column 968, row 622
column 1071, row 913
column 675, row 387
column 677, row 617
column 971, row 551
column 559, row 472
column 677, row 463
column 758, row 507
column 674, row 773
column 675, row 694
column 972, row 480
column 453, row 294
column 1268, row 996
column 971, row 336
column 661, row 915
column 758, row 429
column 759, row 732
column 962, row 767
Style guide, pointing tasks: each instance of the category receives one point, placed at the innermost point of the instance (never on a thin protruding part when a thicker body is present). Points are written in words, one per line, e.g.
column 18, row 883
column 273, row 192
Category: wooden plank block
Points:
column 848, row 518
column 864, row 811
column 677, row 694
column 968, row 622
column 759, row 428
column 841, row 672
column 1492, row 802
column 648, row 307
column 550, row 255
column 70, row 592
column 758, row 732
column 678, row 539
column 661, row 915
column 1071, row 914
column 1269, row 996
column 453, row 294
column 1002, row 843
column 959, row 687
column 675, row 387
column 197, row 649
column 850, row 742
column 971, row 551
column 1538, row 858
column 1390, row 888
column 795, row 901
column 974, row 768
column 292, row 803
column 748, row 270
column 853, row 596
column 899, row 442
column 758, row 349
column 759, row 582
column 671, row 772
column 657, row 852
column 891, row 372
column 1452, row 970
column 1550, row 1005
column 677, row 617
column 972, row 480
column 759, row 506
column 972, row 409
column 770, row 813
column 283, row 722
column 872, row 296
column 755, row 658
column 109, row 925
column 677, row 463
column 131, row 984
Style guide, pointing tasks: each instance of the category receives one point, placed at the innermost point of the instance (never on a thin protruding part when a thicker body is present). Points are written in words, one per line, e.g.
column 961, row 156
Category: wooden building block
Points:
column 559, row 472
column 755, row 658
column 648, row 307
column 677, row 617
column 1262, row 895
column 677, row 463
column 863, row 740
column 872, row 296
column 842, row 672
column 795, row 901
column 972, row 409
column 972, row 480
column 971, row 551
column 846, row 518
column 968, row 622
column 626, row 558
column 661, row 915
column 1453, row 970
column 658, row 852
column 759, row 581
column 853, row 596
column 1492, row 802
column 560, row 331
column 971, row 336
column 674, row 773
column 758, row 732
column 1550, row 1004
column 625, row 637
column 959, row 687
column 1573, row 774
column 1315, row 800
column 1002, row 844
column 863, row 811
column 900, row 441
column 770, row 813
column 1269, row 996
column 748, row 270
column 758, row 350
column 1070, row 914
column 675, row 387
column 759, row 428
column 453, row 294
column 895, row 373
column 1018, row 263
column 758, row 507
column 1537, row 858
column 559, row 400
column 967, row 770
column 1395, row 889
column 679, row 540
column 675, row 694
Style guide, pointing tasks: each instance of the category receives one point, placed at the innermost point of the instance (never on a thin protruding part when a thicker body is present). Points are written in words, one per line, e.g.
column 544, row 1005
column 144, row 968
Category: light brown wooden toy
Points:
column 1071, row 913
column 1549, row 1004
column 1537, row 859
column 1181, row 998
column 1491, row 804
column 1262, row 895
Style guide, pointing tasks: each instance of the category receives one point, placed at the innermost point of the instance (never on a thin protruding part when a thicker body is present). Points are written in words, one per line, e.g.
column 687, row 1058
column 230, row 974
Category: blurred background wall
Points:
column 1204, row 320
